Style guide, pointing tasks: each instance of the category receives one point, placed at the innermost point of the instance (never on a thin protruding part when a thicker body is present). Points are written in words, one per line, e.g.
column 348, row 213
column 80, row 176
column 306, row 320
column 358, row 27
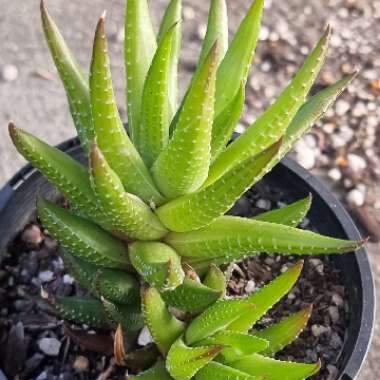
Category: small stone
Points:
column 334, row 314
column 335, row 341
column 264, row 204
column 68, row 280
column 145, row 337
column 46, row 276
column 355, row 198
column 306, row 158
column 333, row 371
column 250, row 287
column 341, row 107
column 337, row 141
column 335, row 174
column 49, row 346
column 201, row 31
column 32, row 235
column 318, row 265
column 356, row 163
column 329, row 128
column 359, row 110
column 81, row 363
column 9, row 73
column 318, row 330
column 188, row 13
column 264, row 33
column 42, row 376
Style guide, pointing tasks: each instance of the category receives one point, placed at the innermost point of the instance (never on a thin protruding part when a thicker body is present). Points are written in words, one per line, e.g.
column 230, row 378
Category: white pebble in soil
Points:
column 49, row 346
column 341, row 107
column 355, row 198
column 68, row 280
column 250, row 287
column 356, row 163
column 81, row 363
column 145, row 337
column 46, row 276
column 335, row 174
column 306, row 157
column 318, row 330
column 9, row 73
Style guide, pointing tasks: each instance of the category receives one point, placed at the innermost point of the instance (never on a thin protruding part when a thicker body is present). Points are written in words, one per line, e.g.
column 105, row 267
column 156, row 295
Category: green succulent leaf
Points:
column 75, row 83
column 163, row 326
column 85, row 311
column 225, row 123
column 218, row 371
column 233, row 238
column 112, row 284
column 183, row 166
column 173, row 15
column 128, row 316
column 237, row 344
column 284, row 332
column 191, row 296
column 156, row 117
column 234, row 68
column 267, row 297
column 157, row 263
column 158, row 372
column 82, row 238
column 215, row 279
column 273, row 123
column 217, row 30
column 291, row 215
column 216, row 318
column 193, row 211
column 271, row 369
column 184, row 362
column 69, row 176
column 111, row 136
column 140, row 46
column 129, row 217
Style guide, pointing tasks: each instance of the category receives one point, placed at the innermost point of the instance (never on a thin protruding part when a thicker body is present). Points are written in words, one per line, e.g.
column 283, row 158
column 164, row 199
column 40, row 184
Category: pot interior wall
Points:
column 17, row 208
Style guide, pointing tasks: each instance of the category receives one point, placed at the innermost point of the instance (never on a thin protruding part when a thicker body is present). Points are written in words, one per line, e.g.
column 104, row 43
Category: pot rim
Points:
column 367, row 317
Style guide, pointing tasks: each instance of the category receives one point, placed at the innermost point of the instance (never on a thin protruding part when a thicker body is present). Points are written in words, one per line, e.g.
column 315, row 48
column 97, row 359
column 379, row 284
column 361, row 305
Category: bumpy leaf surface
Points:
column 284, row 332
column 140, row 46
column 83, row 239
column 184, row 362
column 183, row 166
column 273, row 123
column 219, row 371
column 270, row 369
column 196, row 210
column 157, row 263
column 163, row 326
column 191, row 296
column 128, row 216
column 173, row 15
column 291, row 215
column 233, row 238
column 111, row 136
column 216, row 279
column 75, row 83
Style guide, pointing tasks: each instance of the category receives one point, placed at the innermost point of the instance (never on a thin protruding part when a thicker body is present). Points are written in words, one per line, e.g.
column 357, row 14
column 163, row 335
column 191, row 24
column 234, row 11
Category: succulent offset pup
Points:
column 145, row 233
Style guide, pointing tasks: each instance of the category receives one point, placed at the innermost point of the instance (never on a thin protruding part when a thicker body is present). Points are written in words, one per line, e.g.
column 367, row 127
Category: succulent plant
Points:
column 145, row 232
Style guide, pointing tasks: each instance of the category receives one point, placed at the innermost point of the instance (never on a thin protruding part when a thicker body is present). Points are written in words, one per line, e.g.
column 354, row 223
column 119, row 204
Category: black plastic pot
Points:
column 17, row 207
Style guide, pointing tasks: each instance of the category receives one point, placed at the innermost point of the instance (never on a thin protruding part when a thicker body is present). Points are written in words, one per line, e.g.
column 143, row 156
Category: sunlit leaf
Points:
column 216, row 279
column 218, row 371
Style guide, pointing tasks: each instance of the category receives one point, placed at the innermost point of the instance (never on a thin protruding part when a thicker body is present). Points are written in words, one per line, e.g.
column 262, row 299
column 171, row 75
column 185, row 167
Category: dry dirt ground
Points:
column 342, row 149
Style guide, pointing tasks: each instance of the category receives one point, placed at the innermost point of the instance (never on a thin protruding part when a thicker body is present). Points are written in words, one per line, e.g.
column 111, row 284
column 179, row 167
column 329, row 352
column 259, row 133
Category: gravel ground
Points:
column 341, row 149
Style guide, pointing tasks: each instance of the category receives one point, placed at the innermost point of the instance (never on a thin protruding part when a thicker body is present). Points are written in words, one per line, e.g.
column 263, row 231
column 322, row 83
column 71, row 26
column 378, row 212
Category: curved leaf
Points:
column 158, row 372
column 163, row 326
column 291, row 215
column 273, row 123
column 225, row 123
column 128, row 215
column 216, row 279
column 193, row 211
column 191, row 296
column 75, row 83
column 216, row 318
column 184, row 362
column 155, row 109
column 114, row 285
column 218, row 371
column 82, row 311
column 235, row 66
column 111, row 136
column 183, row 166
column 69, row 176
column 271, row 369
column 140, row 46
column 232, row 238
column 82, row 238
column 284, row 332
column 266, row 297
column 157, row 263
column 171, row 16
